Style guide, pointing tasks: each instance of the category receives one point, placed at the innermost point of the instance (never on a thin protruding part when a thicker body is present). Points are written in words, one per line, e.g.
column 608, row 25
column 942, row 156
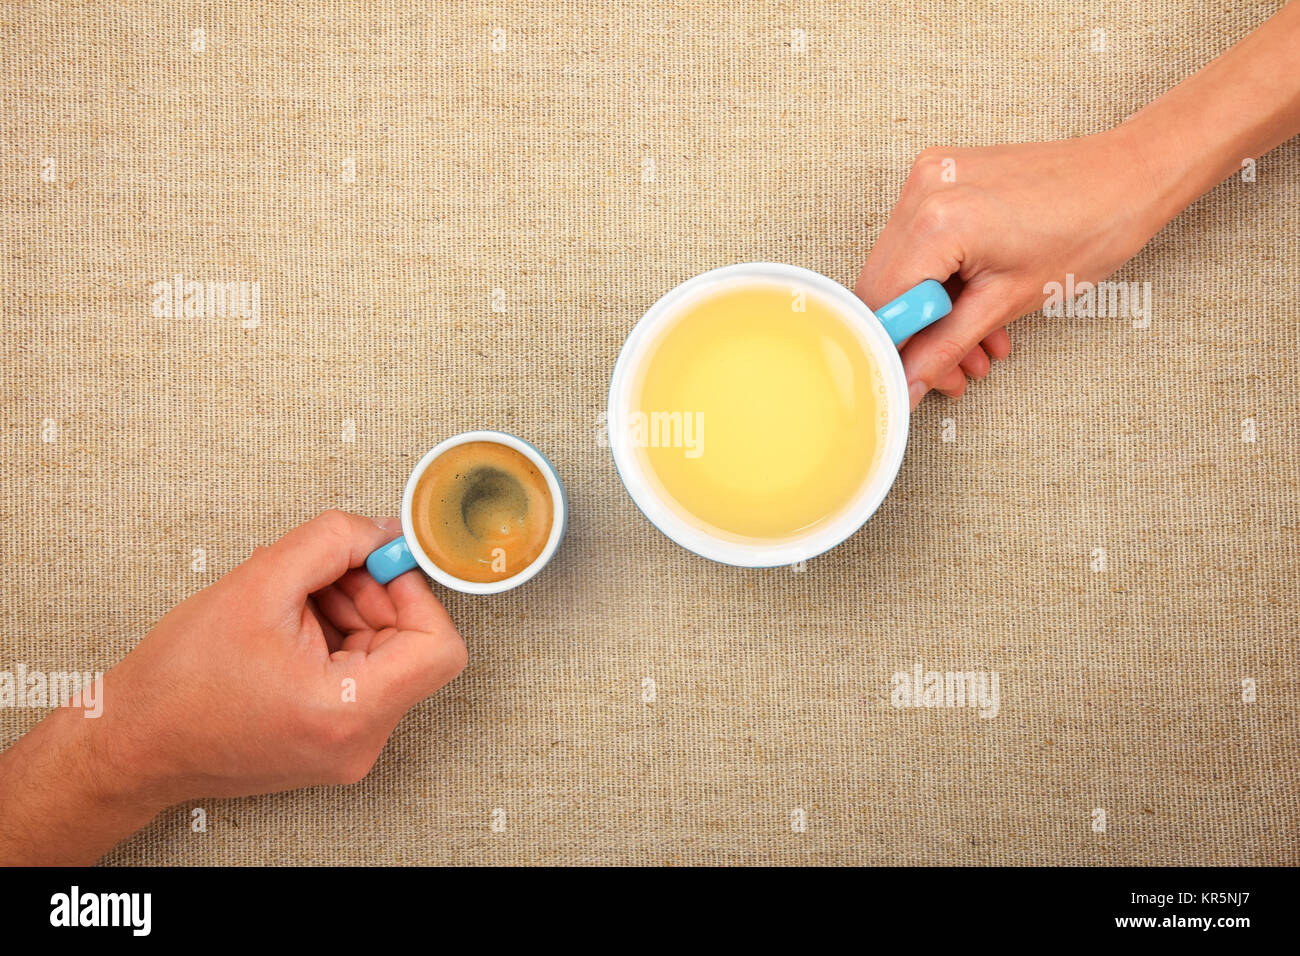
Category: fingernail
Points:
column 389, row 524
column 916, row 391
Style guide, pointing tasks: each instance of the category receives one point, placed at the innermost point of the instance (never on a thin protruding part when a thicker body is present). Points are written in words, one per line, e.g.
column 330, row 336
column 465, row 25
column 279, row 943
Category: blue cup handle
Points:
column 916, row 308
column 392, row 559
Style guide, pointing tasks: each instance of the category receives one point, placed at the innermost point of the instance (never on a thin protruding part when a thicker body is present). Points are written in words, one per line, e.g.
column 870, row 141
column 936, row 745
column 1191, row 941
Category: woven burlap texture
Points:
column 454, row 214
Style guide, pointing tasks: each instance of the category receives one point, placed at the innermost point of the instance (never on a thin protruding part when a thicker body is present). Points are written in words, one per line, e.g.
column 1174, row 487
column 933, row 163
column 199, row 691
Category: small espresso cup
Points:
column 405, row 553
column 877, row 332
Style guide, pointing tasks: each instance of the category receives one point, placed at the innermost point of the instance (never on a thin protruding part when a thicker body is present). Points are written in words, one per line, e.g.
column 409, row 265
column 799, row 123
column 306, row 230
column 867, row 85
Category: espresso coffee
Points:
column 482, row 511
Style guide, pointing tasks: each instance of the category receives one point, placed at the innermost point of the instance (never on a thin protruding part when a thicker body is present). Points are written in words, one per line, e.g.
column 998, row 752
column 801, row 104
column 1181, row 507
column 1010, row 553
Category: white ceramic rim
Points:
column 559, row 516
column 664, row 516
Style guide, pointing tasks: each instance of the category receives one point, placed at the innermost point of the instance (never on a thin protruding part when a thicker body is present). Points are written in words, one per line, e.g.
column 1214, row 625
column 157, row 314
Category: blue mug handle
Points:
column 392, row 559
column 916, row 308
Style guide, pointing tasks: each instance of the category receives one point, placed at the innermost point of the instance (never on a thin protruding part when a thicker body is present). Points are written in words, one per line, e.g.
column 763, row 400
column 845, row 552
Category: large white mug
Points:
column 878, row 333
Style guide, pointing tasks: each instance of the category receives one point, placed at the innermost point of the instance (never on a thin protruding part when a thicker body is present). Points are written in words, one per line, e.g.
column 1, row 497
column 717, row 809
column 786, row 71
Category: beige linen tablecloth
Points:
column 454, row 213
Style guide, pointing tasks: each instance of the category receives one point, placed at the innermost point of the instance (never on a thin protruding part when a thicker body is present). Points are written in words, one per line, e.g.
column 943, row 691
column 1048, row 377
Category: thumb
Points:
column 426, row 652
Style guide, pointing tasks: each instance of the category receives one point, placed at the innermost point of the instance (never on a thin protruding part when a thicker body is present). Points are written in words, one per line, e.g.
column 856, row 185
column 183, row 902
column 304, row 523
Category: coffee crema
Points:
column 482, row 511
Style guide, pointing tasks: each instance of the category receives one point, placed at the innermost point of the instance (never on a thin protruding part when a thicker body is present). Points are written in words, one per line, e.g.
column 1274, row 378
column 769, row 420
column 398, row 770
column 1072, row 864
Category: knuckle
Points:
column 935, row 212
column 947, row 353
column 355, row 768
column 925, row 175
column 455, row 655
column 334, row 727
column 976, row 363
column 933, row 167
column 334, row 520
column 330, row 733
column 929, row 158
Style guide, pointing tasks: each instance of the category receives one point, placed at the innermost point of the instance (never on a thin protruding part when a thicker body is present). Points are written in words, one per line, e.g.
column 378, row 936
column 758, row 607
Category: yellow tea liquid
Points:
column 760, row 420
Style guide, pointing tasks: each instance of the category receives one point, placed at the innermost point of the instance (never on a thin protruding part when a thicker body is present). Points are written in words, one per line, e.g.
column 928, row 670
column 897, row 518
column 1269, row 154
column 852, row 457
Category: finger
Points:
column 376, row 609
column 416, row 607
column 953, row 384
column 976, row 363
column 339, row 608
column 366, row 640
column 390, row 524
column 411, row 665
column 317, row 553
column 938, row 349
column 997, row 344
column 370, row 598
column 333, row 637
column 312, row 614
column 415, row 661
